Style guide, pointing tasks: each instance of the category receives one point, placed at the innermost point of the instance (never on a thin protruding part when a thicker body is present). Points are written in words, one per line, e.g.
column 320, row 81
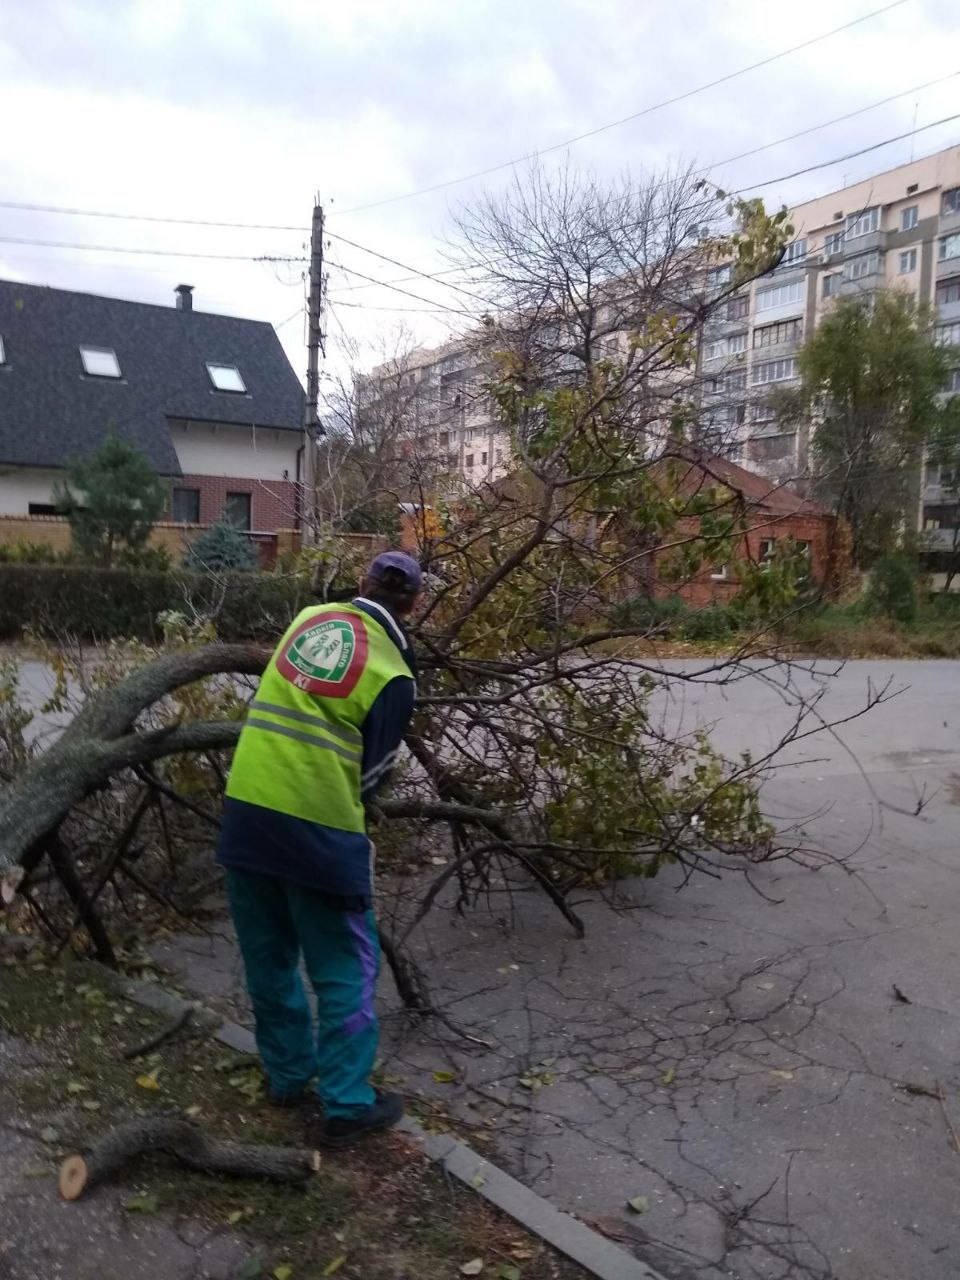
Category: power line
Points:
column 636, row 115
column 26, row 207
column 406, row 292
column 715, row 164
column 852, row 155
column 153, row 253
column 405, row 267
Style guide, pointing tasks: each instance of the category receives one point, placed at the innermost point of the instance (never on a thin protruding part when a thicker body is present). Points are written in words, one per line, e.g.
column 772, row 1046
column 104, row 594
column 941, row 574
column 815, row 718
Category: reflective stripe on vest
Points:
column 301, row 747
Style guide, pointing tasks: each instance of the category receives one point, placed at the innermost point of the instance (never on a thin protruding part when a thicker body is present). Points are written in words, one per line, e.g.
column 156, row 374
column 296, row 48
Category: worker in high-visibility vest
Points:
column 320, row 738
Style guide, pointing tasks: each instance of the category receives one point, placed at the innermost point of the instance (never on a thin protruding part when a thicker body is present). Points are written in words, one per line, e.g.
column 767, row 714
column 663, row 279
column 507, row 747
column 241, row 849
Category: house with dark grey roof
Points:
column 211, row 400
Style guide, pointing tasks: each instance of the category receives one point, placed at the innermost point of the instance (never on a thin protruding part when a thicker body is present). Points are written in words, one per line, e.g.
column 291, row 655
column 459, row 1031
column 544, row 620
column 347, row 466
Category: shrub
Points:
column 223, row 548
column 715, row 622
column 661, row 612
column 893, row 589
column 103, row 604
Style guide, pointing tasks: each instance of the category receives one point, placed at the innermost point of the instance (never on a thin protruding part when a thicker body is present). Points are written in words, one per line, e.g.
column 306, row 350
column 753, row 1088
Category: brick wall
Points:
column 273, row 503
column 706, row 590
column 54, row 532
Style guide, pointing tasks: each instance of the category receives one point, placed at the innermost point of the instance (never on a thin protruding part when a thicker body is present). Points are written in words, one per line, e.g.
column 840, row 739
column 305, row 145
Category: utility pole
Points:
column 312, row 430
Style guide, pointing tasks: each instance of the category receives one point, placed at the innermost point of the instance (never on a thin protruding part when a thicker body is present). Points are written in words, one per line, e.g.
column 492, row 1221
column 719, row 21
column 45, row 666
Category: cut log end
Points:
column 73, row 1177
column 10, row 883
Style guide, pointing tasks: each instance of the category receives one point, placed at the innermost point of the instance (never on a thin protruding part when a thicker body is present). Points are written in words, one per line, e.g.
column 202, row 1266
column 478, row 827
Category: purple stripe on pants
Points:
column 367, row 954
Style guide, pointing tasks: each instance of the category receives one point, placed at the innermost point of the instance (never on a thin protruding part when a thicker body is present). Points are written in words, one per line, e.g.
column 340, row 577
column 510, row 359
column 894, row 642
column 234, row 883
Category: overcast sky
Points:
column 239, row 110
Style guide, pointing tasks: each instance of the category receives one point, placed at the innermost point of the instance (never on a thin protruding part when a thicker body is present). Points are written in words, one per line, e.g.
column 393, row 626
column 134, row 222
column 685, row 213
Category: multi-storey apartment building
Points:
column 899, row 229
column 438, row 400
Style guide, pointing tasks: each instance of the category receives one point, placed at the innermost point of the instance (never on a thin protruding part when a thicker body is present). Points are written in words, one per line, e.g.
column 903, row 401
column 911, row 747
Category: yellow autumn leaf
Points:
column 333, row 1267
column 148, row 1081
column 282, row 1272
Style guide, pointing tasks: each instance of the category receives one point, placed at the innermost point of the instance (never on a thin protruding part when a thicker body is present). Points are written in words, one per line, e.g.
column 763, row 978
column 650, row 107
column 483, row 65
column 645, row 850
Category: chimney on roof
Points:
column 184, row 294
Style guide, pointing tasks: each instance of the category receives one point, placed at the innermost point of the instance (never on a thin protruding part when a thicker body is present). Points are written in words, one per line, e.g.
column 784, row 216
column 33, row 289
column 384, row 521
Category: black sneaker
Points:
column 340, row 1131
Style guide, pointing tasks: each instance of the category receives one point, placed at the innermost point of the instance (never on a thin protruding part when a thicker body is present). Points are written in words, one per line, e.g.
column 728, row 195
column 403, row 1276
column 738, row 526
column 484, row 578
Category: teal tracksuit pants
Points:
column 277, row 923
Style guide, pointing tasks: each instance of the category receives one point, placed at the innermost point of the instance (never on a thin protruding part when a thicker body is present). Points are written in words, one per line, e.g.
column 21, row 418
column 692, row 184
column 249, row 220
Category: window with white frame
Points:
column 719, row 275
column 909, row 217
column 768, row 550
column 949, row 247
column 833, row 243
column 861, row 224
column 908, row 261
column 774, row 371
column 226, row 377
column 948, row 291
column 831, row 284
column 719, row 573
column 100, row 362
column 734, row 380
column 736, row 343
column 795, row 252
column 865, row 264
column 714, row 350
column 951, row 201
column 780, row 295
column 948, row 335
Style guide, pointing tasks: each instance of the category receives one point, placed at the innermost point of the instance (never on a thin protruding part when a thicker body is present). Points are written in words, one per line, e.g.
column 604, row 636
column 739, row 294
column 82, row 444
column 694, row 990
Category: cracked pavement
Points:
column 736, row 1060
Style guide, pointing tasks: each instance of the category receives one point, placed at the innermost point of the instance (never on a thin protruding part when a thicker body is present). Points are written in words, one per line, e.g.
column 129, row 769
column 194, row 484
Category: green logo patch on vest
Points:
column 324, row 652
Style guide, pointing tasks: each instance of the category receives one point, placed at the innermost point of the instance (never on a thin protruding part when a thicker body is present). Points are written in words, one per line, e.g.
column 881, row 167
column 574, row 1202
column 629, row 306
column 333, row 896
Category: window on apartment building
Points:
column 909, row 217
column 795, row 252
column 719, row 275
column 185, row 506
column 951, row 201
column 226, row 377
column 443, row 439
column 833, row 243
column 949, row 247
column 714, row 350
column 948, row 335
column 908, row 261
column 771, row 335
column 913, row 187
column 865, row 264
column 236, row 510
column 499, row 457
column 831, row 284
column 733, row 380
column 772, row 448
column 483, row 459
column 861, row 224
column 948, row 291
column 780, row 295
column 738, row 308
column 3, row 356
column 774, row 371
column 468, row 460
column 100, row 362
column 736, row 343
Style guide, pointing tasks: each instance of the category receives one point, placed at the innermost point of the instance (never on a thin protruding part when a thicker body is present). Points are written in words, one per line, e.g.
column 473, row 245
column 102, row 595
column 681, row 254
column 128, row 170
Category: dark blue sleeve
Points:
column 383, row 731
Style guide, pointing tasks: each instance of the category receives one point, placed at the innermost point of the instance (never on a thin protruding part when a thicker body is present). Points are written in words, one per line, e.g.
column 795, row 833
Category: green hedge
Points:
column 104, row 604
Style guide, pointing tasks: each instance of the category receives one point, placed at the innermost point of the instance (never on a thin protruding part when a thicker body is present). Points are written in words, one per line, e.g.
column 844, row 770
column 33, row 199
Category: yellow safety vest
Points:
column 301, row 749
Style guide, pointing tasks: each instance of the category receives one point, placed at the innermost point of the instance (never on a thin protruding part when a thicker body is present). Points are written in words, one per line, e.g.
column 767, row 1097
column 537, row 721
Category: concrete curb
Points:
column 565, row 1234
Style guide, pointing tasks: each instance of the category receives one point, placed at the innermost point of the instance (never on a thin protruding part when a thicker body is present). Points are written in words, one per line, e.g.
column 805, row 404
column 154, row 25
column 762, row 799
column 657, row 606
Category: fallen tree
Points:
column 542, row 745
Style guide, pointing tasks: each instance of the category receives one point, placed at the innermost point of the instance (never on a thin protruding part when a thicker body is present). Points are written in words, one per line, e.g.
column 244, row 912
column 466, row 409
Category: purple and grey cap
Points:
column 400, row 562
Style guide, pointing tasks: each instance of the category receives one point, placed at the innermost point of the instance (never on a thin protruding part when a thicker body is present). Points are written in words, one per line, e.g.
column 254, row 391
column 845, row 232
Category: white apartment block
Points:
column 897, row 230
column 449, row 417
